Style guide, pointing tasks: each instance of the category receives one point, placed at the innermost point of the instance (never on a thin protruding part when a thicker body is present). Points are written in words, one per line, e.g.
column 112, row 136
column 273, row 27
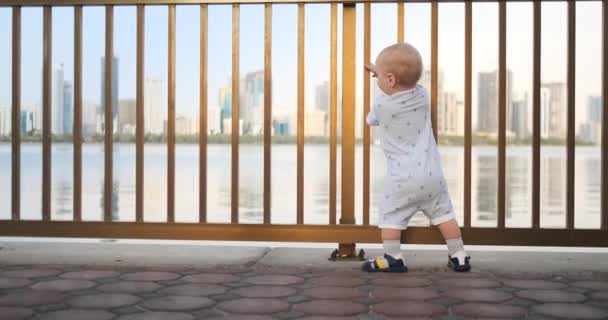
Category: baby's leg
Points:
column 392, row 261
column 449, row 230
column 453, row 238
column 391, row 234
column 391, row 242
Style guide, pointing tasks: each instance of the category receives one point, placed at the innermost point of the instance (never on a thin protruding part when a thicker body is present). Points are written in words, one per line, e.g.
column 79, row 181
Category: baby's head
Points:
column 398, row 67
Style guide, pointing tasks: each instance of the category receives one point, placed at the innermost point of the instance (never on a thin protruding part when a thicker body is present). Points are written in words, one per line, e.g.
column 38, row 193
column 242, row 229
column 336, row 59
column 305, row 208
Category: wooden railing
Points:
column 345, row 232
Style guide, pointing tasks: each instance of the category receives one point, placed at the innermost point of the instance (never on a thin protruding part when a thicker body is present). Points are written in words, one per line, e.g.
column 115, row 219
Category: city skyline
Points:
column 284, row 122
column 417, row 31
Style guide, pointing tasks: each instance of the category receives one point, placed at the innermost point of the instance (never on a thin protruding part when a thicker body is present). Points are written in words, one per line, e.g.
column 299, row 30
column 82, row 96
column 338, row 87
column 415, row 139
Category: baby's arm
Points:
column 371, row 118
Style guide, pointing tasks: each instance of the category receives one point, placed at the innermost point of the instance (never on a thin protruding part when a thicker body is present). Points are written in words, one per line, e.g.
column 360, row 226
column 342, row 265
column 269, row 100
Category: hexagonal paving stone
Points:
column 570, row 310
column 272, row 280
column 333, row 293
column 593, row 285
column 481, row 295
column 328, row 318
column 340, row 281
column 600, row 295
column 534, row 284
column 551, row 295
column 468, row 283
column 211, row 278
column 331, row 308
column 63, row 285
column 103, row 300
column 488, row 310
column 130, row 287
column 9, row 283
column 409, row 308
column 75, row 314
column 194, row 289
column 264, row 291
column 157, row 316
column 89, row 274
column 30, row 273
column 28, row 298
column 177, row 303
column 254, row 306
column 389, row 293
column 15, row 313
column 241, row 317
column 149, row 276
column 402, row 282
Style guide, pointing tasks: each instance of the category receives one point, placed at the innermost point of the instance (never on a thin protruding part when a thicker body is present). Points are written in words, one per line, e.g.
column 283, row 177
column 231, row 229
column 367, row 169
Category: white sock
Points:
column 456, row 247
column 393, row 248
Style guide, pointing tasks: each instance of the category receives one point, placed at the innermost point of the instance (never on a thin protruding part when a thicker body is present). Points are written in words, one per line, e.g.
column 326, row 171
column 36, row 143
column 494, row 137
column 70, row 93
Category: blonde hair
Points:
column 404, row 61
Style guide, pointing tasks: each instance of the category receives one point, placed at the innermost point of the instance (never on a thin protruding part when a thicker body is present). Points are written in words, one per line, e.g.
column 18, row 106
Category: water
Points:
column 284, row 183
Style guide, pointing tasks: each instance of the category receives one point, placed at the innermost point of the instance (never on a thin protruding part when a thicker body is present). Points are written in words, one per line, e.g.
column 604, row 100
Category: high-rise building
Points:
column 592, row 130
column 594, row 109
column 127, row 115
column 225, row 103
column 155, row 101
column 57, row 96
column 5, row 121
column 67, row 108
column 322, row 97
column 449, row 114
column 27, row 122
column 553, row 110
column 520, row 117
column 314, row 124
column 183, row 125
column 89, row 118
column 252, row 102
column 487, row 102
column 115, row 120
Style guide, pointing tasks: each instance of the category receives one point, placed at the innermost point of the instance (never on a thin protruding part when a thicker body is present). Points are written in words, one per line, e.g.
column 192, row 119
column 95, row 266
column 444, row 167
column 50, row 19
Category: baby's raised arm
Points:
column 371, row 118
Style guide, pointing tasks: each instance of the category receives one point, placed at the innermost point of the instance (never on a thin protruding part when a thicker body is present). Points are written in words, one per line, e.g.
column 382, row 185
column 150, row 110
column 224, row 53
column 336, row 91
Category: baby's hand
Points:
column 371, row 68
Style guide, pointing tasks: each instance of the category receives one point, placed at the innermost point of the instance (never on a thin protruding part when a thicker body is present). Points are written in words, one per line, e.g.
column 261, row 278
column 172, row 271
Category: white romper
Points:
column 414, row 178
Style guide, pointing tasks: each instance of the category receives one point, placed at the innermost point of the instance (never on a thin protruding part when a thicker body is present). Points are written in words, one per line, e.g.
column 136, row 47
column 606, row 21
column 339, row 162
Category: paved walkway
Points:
column 270, row 290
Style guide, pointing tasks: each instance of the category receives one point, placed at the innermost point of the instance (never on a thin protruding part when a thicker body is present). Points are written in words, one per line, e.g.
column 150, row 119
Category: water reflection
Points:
column 316, row 184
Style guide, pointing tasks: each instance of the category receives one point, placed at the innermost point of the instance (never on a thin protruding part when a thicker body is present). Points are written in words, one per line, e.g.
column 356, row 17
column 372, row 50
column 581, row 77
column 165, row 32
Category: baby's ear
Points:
column 391, row 79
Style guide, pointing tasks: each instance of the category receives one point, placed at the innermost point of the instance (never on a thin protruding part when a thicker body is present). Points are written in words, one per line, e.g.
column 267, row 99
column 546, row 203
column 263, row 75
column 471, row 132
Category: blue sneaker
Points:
column 384, row 264
column 459, row 263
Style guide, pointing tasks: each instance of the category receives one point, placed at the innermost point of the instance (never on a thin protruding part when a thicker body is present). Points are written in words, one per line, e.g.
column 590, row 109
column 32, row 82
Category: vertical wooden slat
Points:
column 366, row 94
column 107, row 194
column 349, row 28
column 15, row 117
column 434, row 66
column 536, row 119
column 604, row 189
column 300, row 199
column 571, row 113
column 267, row 110
column 139, row 179
column 468, row 53
column 203, row 120
column 46, row 112
column 171, row 119
column 333, row 102
column 400, row 21
column 77, row 124
column 502, row 110
column 235, row 114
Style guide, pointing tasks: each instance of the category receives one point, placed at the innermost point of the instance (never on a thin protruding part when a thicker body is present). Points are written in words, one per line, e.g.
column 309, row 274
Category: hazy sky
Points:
column 284, row 54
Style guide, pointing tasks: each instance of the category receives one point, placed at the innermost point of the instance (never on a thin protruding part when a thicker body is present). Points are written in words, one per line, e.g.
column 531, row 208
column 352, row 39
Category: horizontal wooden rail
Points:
column 297, row 233
column 177, row 2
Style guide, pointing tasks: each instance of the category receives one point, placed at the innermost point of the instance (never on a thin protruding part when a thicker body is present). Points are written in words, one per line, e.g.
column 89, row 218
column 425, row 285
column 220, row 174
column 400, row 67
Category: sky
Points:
column 284, row 47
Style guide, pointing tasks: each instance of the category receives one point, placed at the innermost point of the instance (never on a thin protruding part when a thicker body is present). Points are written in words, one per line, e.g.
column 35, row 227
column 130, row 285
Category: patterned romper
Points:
column 414, row 179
